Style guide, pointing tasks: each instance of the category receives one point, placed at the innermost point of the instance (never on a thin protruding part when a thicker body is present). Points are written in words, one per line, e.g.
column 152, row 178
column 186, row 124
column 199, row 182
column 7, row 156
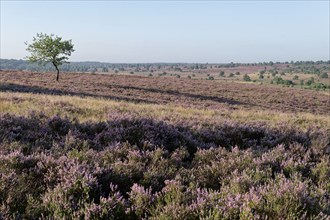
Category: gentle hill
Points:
column 130, row 147
column 201, row 94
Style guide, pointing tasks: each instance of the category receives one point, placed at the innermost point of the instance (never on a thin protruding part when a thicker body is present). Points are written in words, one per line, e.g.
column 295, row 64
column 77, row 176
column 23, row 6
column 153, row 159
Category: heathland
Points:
column 201, row 144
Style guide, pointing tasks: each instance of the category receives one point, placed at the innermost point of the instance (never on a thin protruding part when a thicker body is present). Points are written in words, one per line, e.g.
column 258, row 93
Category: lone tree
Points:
column 50, row 49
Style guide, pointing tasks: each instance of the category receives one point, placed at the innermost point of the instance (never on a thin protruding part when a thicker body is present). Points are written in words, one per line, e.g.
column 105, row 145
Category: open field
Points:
column 99, row 146
column 199, row 94
column 304, row 75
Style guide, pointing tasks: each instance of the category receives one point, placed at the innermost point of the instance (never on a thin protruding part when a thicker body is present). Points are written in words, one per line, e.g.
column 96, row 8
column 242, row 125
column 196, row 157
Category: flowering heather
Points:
column 193, row 153
column 134, row 168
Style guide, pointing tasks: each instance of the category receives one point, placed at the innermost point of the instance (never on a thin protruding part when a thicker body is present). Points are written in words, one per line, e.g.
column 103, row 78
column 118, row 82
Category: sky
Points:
column 172, row 31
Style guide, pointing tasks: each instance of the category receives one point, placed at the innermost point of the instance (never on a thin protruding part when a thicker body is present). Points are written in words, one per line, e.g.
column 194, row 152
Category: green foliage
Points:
column 247, row 78
column 279, row 80
column 324, row 75
column 49, row 49
column 318, row 86
column 310, row 81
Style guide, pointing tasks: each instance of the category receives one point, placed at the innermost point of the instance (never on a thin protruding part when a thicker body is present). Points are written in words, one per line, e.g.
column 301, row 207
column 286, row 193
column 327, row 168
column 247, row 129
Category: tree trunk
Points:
column 58, row 72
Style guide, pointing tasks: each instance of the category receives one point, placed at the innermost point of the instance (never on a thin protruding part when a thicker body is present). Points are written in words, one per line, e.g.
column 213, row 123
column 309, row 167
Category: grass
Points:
column 98, row 109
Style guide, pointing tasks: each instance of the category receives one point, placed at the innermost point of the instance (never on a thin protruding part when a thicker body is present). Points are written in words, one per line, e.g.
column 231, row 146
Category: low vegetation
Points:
column 130, row 147
column 291, row 73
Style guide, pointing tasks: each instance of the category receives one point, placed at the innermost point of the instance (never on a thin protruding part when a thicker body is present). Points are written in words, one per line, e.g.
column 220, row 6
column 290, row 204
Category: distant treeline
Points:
column 12, row 64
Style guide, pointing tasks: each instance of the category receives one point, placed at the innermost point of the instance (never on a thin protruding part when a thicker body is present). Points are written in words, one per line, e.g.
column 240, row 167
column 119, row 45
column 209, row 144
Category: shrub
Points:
column 310, row 81
column 124, row 168
column 246, row 78
column 324, row 75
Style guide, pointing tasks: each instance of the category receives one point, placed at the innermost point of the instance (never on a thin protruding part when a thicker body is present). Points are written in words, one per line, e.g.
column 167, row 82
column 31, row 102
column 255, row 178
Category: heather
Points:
column 132, row 167
column 94, row 149
column 200, row 94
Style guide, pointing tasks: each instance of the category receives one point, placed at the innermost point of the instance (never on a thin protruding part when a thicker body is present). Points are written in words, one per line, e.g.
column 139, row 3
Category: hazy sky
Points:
column 172, row 31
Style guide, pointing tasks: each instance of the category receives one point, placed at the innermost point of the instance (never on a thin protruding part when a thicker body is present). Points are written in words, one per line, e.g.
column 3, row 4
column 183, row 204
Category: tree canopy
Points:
column 50, row 49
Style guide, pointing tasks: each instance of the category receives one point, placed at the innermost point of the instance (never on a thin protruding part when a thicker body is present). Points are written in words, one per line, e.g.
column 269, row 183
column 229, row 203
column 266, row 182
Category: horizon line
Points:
column 179, row 62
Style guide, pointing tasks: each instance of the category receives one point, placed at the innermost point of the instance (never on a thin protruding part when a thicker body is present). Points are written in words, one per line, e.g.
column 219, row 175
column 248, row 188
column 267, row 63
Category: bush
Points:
column 310, row 81
column 246, row 77
column 324, row 75
column 279, row 80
